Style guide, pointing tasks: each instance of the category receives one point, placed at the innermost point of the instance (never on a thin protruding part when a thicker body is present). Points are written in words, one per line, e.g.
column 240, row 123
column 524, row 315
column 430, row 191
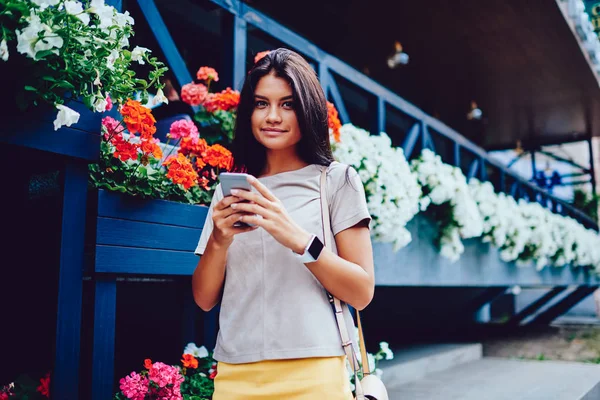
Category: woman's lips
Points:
column 272, row 131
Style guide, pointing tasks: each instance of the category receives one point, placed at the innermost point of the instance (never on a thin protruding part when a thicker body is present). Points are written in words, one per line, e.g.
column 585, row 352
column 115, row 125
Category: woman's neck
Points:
column 282, row 161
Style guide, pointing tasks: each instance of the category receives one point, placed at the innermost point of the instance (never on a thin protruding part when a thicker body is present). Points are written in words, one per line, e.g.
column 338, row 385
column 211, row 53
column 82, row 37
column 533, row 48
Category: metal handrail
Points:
column 327, row 62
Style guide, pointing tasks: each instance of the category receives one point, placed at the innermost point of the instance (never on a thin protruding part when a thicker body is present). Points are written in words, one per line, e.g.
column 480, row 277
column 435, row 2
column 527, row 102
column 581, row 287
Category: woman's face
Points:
column 274, row 121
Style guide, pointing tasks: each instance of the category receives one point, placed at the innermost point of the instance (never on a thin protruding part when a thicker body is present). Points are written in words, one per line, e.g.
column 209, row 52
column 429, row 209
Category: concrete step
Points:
column 504, row 379
column 416, row 362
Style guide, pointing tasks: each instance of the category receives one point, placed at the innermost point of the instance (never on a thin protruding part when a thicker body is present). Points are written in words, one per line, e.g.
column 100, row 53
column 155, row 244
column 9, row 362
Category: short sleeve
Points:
column 348, row 204
column 208, row 224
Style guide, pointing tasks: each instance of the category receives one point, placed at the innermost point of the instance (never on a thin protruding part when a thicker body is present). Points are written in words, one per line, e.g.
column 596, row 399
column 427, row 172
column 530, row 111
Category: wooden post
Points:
column 65, row 382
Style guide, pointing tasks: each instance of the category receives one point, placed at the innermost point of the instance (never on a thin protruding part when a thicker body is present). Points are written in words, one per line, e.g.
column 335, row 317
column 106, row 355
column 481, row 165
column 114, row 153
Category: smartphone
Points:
column 234, row 180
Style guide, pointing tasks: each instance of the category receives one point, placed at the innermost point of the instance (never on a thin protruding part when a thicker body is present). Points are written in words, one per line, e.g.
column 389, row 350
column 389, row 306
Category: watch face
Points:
column 315, row 248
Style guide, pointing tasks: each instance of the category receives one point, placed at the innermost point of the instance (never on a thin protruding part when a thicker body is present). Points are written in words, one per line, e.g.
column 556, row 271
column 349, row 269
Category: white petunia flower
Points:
column 104, row 12
column 198, row 352
column 100, row 104
column 137, row 54
column 65, row 116
column 159, row 98
column 37, row 37
column 76, row 8
column 3, row 50
column 111, row 59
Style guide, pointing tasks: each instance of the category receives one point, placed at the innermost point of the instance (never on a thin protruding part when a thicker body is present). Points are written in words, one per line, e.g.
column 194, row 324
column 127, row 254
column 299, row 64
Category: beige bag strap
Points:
column 339, row 311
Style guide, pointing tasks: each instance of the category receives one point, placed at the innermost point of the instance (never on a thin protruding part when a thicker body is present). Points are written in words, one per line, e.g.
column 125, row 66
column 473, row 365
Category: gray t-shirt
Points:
column 273, row 307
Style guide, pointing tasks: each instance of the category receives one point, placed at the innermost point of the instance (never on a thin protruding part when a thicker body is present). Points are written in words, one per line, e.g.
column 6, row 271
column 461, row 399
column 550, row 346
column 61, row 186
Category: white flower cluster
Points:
column 391, row 189
column 444, row 184
column 527, row 232
column 99, row 26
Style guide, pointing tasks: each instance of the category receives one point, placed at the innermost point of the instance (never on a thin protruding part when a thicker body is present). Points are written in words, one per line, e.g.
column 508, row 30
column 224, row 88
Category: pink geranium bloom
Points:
column 182, row 129
column 109, row 103
column 134, row 386
column 112, row 126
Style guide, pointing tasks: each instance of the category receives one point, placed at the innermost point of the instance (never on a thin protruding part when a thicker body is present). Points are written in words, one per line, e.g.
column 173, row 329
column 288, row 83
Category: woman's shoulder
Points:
column 339, row 174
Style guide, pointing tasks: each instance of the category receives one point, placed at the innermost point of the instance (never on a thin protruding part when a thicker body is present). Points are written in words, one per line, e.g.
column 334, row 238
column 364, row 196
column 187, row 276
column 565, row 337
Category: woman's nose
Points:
column 273, row 116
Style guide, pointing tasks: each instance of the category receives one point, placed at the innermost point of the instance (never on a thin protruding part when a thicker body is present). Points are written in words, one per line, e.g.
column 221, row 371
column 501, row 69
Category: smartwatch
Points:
column 312, row 251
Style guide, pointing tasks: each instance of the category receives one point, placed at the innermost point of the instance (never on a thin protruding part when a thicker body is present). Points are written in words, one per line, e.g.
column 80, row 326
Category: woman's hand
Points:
column 224, row 216
column 270, row 215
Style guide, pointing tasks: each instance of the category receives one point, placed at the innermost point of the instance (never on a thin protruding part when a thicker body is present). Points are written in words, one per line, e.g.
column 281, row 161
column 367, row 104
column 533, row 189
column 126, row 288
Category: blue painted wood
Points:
column 337, row 99
column 128, row 260
column 68, row 319
column 119, row 232
column 118, row 4
column 427, row 139
column 324, row 78
column 411, row 140
column 419, row 264
column 105, row 309
column 166, row 43
column 377, row 116
column 35, row 129
column 116, row 205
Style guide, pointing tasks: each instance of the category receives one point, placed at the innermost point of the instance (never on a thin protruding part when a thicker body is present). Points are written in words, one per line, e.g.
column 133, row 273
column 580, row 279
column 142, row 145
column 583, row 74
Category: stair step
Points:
column 501, row 379
column 417, row 362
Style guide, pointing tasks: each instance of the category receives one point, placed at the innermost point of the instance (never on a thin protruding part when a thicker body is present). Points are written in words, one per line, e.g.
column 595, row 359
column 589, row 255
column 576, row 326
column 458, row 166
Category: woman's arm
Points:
column 209, row 275
column 348, row 276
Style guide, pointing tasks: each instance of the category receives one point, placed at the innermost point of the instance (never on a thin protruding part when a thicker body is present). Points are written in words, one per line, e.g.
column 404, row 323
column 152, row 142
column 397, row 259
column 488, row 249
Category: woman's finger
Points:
column 252, row 209
column 226, row 202
column 254, row 220
column 252, row 197
column 262, row 189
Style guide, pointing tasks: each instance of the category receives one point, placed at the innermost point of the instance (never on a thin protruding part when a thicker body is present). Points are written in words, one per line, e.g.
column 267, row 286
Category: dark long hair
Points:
column 310, row 106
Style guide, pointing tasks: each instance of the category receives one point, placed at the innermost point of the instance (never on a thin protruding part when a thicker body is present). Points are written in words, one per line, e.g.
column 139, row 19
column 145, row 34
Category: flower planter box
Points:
column 148, row 237
column 134, row 236
column 420, row 264
column 35, row 129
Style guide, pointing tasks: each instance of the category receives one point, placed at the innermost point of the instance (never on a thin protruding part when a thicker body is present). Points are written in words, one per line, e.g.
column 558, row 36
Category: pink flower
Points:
column 134, row 386
column 168, row 379
column 112, row 126
column 109, row 103
column 183, row 128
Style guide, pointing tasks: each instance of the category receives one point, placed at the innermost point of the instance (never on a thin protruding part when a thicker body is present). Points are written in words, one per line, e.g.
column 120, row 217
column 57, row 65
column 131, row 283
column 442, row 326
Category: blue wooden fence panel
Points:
column 113, row 205
column 118, row 232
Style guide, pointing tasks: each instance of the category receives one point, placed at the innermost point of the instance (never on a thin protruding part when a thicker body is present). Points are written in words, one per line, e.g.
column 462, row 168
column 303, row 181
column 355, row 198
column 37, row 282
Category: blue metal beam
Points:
column 411, row 140
column 536, row 305
column 166, row 43
column 337, row 98
column 563, row 305
column 473, row 168
column 68, row 318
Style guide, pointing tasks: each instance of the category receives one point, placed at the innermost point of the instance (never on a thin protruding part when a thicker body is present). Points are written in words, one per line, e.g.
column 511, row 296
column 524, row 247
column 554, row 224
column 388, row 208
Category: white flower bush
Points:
column 526, row 232
column 392, row 191
column 445, row 186
column 74, row 50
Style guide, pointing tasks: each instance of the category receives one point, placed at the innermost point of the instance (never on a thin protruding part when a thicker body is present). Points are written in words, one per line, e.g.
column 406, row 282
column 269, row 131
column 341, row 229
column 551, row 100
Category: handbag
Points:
column 370, row 386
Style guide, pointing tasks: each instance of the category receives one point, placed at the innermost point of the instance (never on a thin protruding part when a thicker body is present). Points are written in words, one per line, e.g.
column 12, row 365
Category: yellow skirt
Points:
column 295, row 379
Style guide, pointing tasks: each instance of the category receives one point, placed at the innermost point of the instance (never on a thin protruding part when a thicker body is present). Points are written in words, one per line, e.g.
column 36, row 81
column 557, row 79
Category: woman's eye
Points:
column 260, row 104
column 288, row 104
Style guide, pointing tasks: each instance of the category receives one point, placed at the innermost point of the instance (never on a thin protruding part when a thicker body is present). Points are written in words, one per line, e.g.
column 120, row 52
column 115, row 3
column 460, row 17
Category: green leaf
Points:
column 30, row 88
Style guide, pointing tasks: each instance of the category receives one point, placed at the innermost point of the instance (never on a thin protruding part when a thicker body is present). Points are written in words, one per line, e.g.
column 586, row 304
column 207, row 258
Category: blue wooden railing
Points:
column 424, row 132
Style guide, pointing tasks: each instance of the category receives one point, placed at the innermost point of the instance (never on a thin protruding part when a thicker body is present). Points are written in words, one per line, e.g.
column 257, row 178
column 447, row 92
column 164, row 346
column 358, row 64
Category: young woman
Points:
column 278, row 337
